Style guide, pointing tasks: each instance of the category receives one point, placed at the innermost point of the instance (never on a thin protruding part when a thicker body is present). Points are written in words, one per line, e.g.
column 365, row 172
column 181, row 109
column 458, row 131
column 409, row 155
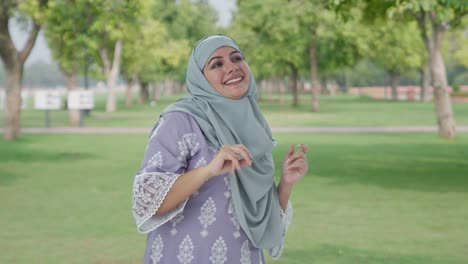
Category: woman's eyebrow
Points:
column 217, row 57
column 220, row 57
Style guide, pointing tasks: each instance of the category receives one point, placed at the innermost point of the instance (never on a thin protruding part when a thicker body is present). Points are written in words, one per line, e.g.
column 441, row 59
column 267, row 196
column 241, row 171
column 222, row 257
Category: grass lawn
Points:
column 345, row 110
column 369, row 198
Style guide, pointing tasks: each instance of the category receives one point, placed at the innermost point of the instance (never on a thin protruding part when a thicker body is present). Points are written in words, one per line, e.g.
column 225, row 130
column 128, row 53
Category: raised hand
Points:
column 295, row 165
column 228, row 159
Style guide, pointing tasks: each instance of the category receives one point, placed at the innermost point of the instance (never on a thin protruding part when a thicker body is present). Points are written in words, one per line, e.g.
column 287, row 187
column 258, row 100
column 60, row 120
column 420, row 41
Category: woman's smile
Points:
column 228, row 72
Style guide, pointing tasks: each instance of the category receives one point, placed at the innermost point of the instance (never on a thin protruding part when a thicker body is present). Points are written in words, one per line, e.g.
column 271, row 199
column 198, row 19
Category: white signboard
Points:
column 80, row 99
column 24, row 100
column 47, row 100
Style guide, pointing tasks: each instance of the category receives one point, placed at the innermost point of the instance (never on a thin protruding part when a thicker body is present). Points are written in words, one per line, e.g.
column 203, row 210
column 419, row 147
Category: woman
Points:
column 205, row 192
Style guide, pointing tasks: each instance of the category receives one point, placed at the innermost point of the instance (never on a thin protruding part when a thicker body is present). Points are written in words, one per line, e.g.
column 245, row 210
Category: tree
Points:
column 434, row 18
column 295, row 37
column 67, row 33
column 396, row 47
column 13, row 59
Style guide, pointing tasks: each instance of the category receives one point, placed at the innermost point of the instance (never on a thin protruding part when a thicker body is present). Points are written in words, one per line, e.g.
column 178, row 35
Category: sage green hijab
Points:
column 227, row 121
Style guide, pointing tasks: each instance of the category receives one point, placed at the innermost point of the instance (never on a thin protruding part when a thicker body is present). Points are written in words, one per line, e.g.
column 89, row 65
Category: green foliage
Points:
column 279, row 35
column 397, row 47
column 67, row 32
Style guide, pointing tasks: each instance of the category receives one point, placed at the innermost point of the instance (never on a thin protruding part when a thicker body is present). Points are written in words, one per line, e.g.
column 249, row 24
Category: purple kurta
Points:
column 203, row 228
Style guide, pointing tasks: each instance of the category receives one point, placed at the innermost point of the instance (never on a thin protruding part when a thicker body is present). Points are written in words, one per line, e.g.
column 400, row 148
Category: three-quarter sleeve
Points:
column 286, row 219
column 173, row 141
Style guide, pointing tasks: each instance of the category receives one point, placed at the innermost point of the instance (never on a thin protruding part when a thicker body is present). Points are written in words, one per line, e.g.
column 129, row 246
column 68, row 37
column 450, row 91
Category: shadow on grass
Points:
column 331, row 254
column 422, row 167
column 19, row 154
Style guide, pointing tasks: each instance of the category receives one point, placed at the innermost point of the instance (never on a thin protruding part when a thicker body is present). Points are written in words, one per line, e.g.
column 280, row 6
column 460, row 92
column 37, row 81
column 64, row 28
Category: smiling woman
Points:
column 205, row 192
column 228, row 72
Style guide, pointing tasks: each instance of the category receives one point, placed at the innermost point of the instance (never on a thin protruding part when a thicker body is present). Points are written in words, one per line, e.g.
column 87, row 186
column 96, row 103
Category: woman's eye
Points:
column 216, row 65
column 237, row 59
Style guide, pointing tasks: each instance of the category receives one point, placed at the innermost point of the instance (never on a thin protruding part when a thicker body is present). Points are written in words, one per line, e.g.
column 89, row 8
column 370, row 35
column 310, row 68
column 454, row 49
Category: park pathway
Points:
column 138, row 130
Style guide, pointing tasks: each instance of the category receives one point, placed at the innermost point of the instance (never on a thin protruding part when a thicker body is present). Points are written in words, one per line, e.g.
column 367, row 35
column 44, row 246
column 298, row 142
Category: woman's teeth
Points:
column 233, row 80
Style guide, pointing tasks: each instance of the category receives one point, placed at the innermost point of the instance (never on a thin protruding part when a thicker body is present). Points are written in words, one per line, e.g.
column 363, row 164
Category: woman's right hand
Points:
column 228, row 159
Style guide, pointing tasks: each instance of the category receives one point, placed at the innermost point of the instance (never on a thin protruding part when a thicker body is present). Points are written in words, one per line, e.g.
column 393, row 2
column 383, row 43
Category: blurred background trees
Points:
column 297, row 46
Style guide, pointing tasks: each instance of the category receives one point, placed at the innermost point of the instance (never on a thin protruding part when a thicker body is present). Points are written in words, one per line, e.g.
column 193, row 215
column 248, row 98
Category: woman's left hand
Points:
column 295, row 165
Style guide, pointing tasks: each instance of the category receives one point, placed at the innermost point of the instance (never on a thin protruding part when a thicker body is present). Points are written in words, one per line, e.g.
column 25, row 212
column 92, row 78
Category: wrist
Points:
column 205, row 172
column 285, row 187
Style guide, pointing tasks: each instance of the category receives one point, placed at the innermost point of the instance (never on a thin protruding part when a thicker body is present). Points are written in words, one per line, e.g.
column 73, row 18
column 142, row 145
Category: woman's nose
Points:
column 231, row 67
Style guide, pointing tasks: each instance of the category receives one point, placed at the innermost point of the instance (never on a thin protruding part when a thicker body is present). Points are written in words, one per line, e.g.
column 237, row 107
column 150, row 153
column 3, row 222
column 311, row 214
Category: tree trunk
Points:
column 270, row 89
column 394, row 81
column 131, row 82
column 144, row 92
column 72, row 84
column 425, row 82
column 314, row 84
column 157, row 91
column 13, row 62
column 12, row 109
column 423, row 21
column 112, row 73
column 280, row 88
column 293, row 82
column 442, row 101
column 347, row 81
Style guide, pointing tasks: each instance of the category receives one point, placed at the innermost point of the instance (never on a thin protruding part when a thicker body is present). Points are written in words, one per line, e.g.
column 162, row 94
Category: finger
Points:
column 242, row 153
column 299, row 162
column 291, row 150
column 245, row 149
column 244, row 163
column 230, row 156
column 289, row 153
column 303, row 148
column 296, row 156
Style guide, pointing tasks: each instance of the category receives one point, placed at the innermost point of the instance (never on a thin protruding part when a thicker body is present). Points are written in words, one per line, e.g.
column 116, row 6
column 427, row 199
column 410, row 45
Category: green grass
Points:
column 345, row 110
column 369, row 198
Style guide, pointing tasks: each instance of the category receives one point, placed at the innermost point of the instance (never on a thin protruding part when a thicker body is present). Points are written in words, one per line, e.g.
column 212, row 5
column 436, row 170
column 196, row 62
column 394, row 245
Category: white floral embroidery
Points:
column 174, row 221
column 227, row 193
column 156, row 130
column 245, row 253
column 149, row 190
column 218, row 252
column 201, row 162
column 234, row 221
column 230, row 207
column 207, row 215
column 188, row 146
column 185, row 255
column 155, row 162
column 157, row 249
column 212, row 149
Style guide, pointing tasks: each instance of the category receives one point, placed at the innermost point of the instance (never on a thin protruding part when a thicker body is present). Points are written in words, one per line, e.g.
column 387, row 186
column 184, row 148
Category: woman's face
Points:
column 228, row 72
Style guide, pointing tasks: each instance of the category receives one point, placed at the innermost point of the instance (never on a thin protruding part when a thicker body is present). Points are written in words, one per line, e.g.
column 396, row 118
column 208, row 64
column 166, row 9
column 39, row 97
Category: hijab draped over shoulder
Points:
column 227, row 121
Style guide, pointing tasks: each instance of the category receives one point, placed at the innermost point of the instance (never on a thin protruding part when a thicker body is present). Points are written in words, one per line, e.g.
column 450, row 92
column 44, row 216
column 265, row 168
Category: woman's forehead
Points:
column 226, row 50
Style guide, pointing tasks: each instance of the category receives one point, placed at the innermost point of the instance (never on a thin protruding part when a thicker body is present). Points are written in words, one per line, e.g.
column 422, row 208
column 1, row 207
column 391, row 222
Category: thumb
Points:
column 290, row 151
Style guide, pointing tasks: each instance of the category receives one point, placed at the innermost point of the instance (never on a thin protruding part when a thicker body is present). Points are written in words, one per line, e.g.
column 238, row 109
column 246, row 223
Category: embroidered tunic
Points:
column 203, row 228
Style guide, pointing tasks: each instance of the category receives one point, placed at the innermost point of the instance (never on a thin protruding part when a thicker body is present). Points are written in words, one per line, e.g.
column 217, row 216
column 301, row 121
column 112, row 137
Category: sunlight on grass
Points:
column 347, row 110
column 369, row 198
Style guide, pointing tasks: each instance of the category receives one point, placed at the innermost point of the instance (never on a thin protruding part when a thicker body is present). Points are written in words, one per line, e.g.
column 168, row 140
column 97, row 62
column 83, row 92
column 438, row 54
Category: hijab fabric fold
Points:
column 226, row 121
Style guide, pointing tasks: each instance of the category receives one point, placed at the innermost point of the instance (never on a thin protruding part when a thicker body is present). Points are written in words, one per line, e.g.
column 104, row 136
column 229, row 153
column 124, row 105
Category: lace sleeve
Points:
column 149, row 191
column 172, row 143
column 286, row 219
